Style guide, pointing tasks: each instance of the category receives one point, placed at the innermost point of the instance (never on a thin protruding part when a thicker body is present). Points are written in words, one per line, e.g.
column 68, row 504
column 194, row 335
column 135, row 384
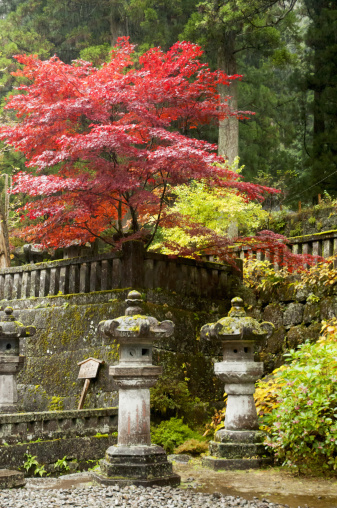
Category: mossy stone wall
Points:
column 67, row 334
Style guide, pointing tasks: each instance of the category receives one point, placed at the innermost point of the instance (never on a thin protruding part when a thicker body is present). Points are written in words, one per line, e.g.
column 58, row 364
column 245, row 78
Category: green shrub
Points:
column 193, row 447
column 172, row 433
column 303, row 425
column 171, row 397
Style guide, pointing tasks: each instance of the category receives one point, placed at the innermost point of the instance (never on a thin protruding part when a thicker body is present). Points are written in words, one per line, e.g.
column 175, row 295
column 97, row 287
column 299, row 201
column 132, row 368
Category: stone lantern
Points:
column 135, row 460
column 10, row 362
column 239, row 445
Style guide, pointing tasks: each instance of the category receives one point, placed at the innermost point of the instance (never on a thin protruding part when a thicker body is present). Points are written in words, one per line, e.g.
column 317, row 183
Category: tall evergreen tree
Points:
column 229, row 28
column 321, row 80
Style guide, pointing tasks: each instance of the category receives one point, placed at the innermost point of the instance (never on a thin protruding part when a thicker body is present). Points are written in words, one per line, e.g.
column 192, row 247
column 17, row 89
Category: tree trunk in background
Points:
column 4, row 241
column 228, row 142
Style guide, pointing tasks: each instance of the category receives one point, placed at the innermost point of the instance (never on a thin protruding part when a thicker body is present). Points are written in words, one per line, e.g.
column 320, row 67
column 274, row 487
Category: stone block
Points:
column 10, row 479
column 48, row 452
column 302, row 293
column 293, row 314
column 237, row 450
column 297, row 335
column 232, row 464
column 285, row 293
column 328, row 308
column 314, row 331
column 274, row 314
column 311, row 312
column 276, row 343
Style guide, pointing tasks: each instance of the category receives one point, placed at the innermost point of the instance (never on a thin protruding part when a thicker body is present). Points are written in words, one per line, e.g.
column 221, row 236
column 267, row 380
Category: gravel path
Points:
column 111, row 497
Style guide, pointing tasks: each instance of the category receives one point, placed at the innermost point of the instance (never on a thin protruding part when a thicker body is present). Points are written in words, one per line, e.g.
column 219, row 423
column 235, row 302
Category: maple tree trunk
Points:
column 228, row 142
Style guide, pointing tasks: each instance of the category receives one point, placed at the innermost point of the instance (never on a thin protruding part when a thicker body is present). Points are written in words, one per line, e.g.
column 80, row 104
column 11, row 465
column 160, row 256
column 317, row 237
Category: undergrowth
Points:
column 172, row 433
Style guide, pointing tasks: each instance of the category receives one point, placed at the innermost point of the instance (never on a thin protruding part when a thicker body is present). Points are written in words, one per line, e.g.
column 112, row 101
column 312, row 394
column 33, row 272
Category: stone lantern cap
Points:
column 237, row 326
column 134, row 326
column 11, row 328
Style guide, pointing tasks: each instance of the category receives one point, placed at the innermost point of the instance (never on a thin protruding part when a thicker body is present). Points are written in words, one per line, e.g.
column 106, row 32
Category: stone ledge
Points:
column 57, row 415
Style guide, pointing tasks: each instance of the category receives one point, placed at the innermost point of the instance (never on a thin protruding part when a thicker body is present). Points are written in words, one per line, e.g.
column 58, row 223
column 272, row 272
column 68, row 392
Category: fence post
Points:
column 133, row 264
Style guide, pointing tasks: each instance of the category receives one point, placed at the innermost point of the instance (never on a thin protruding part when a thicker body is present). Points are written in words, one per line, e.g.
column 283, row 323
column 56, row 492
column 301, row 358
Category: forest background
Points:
column 285, row 50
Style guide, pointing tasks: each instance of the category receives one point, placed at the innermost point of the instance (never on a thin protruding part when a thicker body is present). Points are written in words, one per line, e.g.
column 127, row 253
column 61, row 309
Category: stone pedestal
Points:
column 135, row 460
column 240, row 444
column 136, row 465
column 10, row 361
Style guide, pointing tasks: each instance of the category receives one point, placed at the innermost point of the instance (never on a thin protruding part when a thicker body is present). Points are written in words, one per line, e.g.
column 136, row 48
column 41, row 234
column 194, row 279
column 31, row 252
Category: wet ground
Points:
column 270, row 484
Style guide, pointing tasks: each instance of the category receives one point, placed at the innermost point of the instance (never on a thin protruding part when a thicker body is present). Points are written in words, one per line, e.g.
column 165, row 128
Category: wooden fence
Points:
column 320, row 244
column 131, row 267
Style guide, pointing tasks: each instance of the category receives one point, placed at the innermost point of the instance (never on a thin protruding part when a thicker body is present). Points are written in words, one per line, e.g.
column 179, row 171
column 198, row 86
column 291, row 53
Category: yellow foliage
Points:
column 212, row 207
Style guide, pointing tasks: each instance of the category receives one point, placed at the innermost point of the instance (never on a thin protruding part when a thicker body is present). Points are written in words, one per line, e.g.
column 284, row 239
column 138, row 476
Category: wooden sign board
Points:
column 89, row 368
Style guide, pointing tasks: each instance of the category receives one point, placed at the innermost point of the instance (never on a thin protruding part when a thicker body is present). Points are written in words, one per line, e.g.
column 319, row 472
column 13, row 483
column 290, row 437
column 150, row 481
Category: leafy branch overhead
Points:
column 104, row 147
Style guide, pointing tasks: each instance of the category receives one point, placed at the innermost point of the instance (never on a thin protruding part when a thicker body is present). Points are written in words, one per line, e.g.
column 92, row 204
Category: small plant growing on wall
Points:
column 31, row 462
column 61, row 465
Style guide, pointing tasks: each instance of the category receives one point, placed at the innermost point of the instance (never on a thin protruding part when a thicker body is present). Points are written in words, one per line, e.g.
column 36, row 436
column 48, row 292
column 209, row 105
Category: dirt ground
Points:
column 271, row 483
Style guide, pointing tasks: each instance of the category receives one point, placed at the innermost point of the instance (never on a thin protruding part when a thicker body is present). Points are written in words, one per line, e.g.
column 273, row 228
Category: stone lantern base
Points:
column 136, row 465
column 234, row 449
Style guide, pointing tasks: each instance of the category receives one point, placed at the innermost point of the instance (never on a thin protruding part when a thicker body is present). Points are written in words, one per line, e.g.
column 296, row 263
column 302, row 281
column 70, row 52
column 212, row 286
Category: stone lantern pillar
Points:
column 10, row 361
column 239, row 444
column 135, row 460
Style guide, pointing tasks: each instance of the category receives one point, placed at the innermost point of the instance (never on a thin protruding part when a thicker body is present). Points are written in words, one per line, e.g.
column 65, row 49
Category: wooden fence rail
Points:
column 131, row 267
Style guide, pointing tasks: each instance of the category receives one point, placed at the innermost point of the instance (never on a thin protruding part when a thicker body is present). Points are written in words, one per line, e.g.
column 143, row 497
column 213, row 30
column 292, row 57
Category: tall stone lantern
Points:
column 135, row 460
column 239, row 444
column 10, row 361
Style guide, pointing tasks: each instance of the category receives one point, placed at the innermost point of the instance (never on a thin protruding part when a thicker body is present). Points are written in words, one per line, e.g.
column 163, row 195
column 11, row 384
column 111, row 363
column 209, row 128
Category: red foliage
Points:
column 271, row 246
column 116, row 137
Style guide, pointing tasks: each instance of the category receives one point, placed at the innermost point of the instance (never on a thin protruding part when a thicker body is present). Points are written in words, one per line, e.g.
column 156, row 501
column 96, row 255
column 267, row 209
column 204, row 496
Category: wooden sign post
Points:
column 89, row 369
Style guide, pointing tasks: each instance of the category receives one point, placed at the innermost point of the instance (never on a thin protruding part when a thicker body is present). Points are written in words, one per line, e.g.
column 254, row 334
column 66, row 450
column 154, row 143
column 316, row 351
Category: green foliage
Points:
column 312, row 221
column 172, row 433
column 171, row 397
column 95, row 465
column 297, row 231
column 277, row 221
column 30, row 462
column 40, row 470
column 192, row 447
column 96, row 54
column 211, row 207
column 262, row 276
column 61, row 465
column 303, row 426
column 313, row 298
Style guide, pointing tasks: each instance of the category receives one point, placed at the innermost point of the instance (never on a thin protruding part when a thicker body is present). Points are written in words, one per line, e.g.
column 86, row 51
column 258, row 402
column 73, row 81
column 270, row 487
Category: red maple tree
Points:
column 105, row 145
